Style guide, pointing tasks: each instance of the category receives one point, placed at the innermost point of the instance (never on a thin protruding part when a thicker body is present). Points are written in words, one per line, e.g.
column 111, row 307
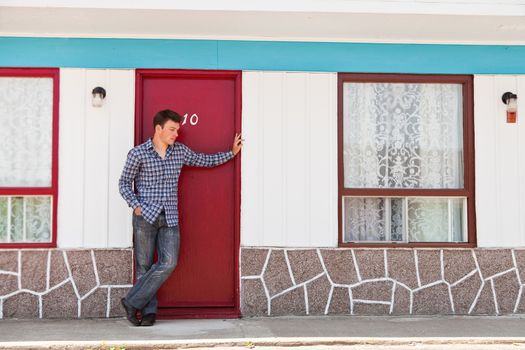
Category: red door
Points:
column 205, row 282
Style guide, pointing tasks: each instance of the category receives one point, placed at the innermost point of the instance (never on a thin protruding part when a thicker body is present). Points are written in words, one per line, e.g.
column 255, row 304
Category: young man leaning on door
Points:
column 154, row 168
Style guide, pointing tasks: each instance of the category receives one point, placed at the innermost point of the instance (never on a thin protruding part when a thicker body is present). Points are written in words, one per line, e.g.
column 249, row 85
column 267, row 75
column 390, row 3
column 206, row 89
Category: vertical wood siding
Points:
column 93, row 146
column 289, row 166
column 289, row 161
column 500, row 163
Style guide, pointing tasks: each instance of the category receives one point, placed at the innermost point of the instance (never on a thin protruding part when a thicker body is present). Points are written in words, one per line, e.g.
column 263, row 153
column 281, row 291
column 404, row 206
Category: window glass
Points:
column 26, row 117
column 25, row 219
column 408, row 220
column 401, row 135
column 406, row 170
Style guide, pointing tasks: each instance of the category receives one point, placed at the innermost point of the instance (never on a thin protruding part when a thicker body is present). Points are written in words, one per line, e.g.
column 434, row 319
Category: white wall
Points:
column 93, row 144
column 289, row 161
column 500, row 162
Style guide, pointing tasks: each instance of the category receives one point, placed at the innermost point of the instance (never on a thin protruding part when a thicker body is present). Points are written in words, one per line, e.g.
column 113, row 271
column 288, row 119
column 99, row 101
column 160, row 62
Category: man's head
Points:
column 166, row 124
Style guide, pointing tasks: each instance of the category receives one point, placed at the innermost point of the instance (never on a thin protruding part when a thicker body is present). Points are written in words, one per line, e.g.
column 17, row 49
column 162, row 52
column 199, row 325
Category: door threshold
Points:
column 197, row 312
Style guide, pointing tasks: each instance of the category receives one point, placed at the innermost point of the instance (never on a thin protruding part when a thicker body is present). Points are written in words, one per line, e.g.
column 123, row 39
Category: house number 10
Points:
column 194, row 119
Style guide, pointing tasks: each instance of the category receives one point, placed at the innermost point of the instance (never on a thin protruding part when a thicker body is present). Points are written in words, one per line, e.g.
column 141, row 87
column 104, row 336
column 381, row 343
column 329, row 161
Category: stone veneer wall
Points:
column 382, row 281
column 52, row 283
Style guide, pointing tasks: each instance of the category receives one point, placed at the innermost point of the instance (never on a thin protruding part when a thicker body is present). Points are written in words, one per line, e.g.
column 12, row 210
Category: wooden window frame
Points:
column 468, row 153
column 54, row 74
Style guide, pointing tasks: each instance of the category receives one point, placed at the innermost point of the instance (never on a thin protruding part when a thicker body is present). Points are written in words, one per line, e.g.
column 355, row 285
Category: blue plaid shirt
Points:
column 156, row 179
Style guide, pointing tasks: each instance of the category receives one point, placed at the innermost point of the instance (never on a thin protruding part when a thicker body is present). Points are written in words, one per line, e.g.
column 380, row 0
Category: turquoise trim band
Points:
column 261, row 55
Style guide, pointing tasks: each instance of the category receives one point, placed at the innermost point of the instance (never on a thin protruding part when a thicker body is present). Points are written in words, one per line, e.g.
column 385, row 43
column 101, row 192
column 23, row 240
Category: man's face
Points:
column 169, row 132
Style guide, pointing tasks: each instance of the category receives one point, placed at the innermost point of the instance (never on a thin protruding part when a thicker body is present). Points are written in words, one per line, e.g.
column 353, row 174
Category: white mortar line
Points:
column 108, row 304
column 306, row 300
column 266, row 262
column 477, row 297
column 118, row 285
column 442, row 260
column 477, row 264
column 411, row 301
column 79, row 308
column 386, row 262
column 428, row 285
column 89, row 293
column 327, row 307
column 33, row 292
column 298, row 286
column 70, row 274
column 516, row 266
column 314, row 278
column 356, row 266
column 471, row 273
column 242, row 278
column 351, row 300
column 518, row 299
column 451, row 299
column 286, row 291
column 392, row 298
column 1, row 308
column 494, row 296
column 380, row 279
column 289, row 267
column 48, row 269
column 8, row 273
column 15, row 293
column 362, row 301
column 417, row 268
column 268, row 301
column 39, row 306
column 19, row 269
column 401, row 284
column 57, row 286
column 501, row 273
column 324, row 266
column 95, row 270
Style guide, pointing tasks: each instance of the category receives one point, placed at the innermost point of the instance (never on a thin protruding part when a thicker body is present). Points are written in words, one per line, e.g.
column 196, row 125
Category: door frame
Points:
column 140, row 75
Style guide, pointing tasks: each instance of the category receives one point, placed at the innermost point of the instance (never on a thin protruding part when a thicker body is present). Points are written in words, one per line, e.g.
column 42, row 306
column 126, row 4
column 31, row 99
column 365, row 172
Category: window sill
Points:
column 408, row 245
column 21, row 245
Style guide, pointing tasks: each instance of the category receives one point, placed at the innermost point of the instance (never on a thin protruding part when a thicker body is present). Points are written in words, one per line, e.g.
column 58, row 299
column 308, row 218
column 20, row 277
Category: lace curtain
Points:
column 403, row 136
column 25, row 219
column 26, row 116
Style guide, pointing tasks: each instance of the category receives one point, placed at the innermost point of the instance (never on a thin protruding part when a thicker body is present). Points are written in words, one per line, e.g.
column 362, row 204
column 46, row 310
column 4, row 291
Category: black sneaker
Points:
column 148, row 320
column 131, row 312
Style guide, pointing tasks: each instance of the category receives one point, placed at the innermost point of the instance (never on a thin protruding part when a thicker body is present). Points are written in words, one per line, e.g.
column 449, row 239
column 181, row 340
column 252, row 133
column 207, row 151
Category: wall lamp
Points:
column 99, row 94
column 511, row 100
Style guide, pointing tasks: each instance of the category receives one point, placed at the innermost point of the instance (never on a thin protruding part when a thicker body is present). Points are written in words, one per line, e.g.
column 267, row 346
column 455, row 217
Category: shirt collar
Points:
column 149, row 145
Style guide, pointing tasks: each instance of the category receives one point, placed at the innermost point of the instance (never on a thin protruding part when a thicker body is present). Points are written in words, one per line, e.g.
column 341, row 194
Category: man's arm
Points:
column 209, row 160
column 125, row 183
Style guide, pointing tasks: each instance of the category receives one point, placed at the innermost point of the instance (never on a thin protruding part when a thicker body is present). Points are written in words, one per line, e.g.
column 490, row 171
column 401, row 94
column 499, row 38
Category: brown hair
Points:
column 163, row 116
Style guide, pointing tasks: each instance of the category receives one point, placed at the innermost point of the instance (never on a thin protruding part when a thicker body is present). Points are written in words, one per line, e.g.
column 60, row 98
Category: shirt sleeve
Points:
column 192, row 158
column 127, row 177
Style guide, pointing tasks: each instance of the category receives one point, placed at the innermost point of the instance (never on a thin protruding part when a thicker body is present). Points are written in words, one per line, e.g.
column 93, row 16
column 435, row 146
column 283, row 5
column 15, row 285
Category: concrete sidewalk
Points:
column 264, row 332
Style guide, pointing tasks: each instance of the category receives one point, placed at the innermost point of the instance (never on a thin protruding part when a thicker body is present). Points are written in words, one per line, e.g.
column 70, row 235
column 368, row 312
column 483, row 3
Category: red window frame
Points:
column 468, row 150
column 52, row 191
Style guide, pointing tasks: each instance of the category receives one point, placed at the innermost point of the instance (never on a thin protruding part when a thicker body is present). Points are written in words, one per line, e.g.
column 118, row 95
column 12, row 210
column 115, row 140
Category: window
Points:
column 406, row 162
column 28, row 157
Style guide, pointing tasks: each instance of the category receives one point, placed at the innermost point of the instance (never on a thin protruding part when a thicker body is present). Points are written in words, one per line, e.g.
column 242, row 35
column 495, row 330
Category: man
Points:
column 154, row 167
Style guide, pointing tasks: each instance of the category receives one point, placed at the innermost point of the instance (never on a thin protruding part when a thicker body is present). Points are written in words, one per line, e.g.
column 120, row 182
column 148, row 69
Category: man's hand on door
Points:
column 237, row 144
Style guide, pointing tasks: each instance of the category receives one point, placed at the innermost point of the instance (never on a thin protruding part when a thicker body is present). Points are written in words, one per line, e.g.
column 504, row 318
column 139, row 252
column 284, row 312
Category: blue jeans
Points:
column 147, row 237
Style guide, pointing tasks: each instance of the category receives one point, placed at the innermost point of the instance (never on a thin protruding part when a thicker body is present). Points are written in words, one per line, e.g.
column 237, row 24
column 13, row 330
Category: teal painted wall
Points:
column 261, row 55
